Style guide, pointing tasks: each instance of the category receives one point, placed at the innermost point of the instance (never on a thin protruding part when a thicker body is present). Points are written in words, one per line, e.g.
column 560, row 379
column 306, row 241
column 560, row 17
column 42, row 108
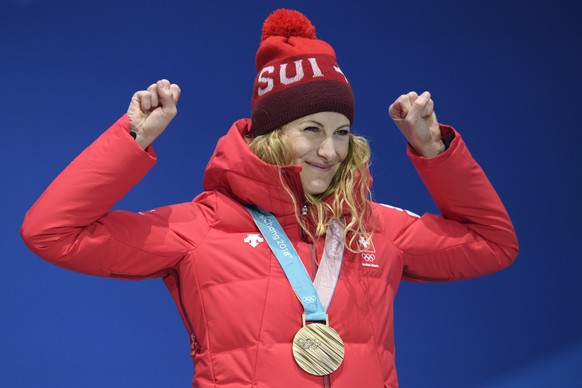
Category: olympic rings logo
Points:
column 308, row 299
column 309, row 343
column 369, row 257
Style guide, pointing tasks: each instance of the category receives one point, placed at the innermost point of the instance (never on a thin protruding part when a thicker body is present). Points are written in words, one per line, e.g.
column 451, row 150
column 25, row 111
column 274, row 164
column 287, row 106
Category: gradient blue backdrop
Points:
column 506, row 74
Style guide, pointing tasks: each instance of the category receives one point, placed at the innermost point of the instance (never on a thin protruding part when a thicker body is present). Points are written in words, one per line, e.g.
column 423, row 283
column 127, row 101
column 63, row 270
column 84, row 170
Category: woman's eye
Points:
column 343, row 132
column 311, row 129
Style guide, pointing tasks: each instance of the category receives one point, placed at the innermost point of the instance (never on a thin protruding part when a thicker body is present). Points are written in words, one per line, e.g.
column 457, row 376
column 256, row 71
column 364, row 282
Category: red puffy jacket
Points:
column 233, row 296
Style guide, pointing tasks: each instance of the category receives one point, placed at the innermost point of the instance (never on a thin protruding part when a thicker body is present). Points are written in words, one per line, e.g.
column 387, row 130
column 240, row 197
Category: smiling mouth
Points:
column 321, row 167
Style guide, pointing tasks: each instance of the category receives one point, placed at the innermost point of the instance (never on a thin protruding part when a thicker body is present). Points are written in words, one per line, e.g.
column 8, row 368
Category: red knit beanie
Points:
column 297, row 75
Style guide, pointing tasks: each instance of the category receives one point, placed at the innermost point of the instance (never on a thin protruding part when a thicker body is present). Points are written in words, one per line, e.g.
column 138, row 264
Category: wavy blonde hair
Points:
column 350, row 186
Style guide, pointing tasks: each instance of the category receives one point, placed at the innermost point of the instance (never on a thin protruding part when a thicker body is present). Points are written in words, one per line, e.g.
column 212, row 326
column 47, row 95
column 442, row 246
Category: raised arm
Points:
column 474, row 235
column 71, row 224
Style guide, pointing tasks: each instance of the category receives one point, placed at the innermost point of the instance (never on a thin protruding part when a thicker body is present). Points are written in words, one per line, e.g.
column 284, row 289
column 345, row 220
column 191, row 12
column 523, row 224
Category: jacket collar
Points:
column 235, row 171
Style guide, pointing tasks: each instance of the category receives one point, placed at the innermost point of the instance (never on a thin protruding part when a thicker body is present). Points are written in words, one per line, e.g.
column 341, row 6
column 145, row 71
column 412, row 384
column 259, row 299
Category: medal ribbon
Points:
column 327, row 276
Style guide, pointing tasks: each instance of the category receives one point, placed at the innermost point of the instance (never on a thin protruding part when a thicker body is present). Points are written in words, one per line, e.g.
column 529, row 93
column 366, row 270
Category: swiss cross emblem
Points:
column 365, row 244
column 253, row 239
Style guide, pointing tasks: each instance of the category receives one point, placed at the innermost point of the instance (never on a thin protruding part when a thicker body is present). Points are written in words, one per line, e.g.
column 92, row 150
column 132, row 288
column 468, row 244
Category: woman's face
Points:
column 320, row 143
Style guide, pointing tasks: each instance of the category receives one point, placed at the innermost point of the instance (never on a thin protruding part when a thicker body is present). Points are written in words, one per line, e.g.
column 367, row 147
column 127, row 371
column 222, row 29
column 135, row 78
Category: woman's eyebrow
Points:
column 313, row 122
column 321, row 125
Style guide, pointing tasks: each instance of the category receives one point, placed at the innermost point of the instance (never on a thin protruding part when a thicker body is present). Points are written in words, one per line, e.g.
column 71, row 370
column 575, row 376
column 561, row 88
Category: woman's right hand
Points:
column 151, row 110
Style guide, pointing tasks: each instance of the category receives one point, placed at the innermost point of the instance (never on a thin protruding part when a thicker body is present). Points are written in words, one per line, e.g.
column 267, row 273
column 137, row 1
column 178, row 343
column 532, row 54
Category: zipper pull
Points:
column 195, row 346
column 303, row 216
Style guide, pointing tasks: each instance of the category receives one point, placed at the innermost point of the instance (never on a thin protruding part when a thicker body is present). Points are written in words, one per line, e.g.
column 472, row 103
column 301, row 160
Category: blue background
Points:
column 506, row 74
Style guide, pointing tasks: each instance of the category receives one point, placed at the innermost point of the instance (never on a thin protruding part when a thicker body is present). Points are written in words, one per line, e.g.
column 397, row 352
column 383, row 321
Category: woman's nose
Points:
column 326, row 149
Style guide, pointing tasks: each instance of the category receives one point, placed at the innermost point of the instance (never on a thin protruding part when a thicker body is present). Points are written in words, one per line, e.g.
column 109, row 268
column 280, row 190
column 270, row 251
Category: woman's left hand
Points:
column 414, row 116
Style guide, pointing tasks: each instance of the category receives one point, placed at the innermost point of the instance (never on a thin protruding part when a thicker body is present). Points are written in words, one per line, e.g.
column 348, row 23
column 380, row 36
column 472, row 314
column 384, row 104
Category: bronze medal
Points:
column 318, row 349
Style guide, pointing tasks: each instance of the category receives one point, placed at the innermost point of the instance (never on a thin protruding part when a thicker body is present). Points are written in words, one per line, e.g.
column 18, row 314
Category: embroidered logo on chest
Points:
column 253, row 239
column 368, row 252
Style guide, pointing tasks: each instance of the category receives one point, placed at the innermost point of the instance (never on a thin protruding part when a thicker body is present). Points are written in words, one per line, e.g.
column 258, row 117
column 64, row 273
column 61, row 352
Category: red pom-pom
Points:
column 286, row 22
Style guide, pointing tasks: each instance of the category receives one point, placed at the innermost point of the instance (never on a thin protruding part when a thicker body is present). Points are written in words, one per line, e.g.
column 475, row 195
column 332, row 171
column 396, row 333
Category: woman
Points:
column 286, row 199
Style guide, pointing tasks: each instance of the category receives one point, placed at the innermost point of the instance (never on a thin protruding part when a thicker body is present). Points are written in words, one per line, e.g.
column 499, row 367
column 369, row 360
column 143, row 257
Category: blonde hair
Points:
column 350, row 186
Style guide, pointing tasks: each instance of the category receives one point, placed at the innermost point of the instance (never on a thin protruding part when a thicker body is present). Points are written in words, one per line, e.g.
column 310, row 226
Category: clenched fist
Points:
column 151, row 110
column 414, row 116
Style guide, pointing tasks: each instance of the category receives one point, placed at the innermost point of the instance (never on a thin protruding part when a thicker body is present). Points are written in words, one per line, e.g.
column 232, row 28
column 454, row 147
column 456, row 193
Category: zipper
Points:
column 194, row 343
column 312, row 245
column 171, row 272
column 193, row 340
column 304, row 212
column 294, row 183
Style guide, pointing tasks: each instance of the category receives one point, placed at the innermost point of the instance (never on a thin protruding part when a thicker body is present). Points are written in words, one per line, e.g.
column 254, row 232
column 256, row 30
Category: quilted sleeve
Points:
column 474, row 235
column 72, row 226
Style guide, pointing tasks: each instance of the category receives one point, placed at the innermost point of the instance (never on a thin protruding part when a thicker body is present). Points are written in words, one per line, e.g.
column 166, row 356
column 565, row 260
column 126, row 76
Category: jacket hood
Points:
column 234, row 170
